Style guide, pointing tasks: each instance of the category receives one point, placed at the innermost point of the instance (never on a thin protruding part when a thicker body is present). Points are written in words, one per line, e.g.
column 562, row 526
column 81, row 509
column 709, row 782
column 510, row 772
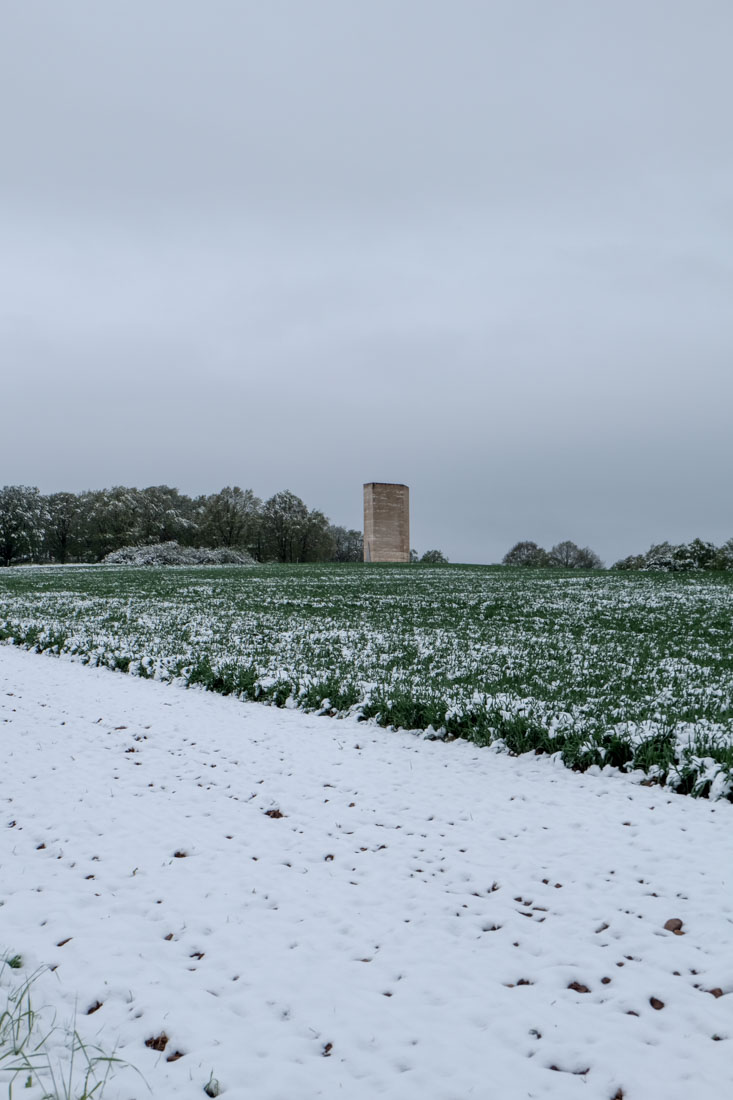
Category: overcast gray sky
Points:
column 483, row 247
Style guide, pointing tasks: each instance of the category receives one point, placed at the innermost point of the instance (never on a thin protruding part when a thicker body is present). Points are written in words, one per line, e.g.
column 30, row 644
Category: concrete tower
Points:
column 386, row 522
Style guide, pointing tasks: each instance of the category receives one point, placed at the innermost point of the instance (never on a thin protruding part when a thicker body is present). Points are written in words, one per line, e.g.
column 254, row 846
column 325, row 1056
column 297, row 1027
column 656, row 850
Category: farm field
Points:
column 257, row 903
column 628, row 670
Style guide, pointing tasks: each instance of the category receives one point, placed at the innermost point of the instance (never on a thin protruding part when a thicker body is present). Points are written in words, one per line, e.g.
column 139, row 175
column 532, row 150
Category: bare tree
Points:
column 569, row 556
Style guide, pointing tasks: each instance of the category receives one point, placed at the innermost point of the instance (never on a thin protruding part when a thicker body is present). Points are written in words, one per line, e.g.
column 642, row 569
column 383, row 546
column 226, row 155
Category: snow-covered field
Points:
column 315, row 908
column 629, row 669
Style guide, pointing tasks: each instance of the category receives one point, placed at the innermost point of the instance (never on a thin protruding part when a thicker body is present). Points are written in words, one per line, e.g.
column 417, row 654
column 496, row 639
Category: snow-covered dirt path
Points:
column 313, row 908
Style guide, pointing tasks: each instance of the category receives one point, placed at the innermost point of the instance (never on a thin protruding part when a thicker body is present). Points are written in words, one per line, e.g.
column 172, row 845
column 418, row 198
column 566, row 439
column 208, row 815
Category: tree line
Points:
column 86, row 527
column 564, row 555
column 682, row 557
column 664, row 556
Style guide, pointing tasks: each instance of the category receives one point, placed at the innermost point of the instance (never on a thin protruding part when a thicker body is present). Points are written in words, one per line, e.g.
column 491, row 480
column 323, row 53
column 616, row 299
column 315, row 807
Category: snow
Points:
column 375, row 939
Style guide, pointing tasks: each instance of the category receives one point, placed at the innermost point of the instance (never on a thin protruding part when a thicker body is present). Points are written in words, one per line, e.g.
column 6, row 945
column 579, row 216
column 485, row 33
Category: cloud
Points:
column 484, row 249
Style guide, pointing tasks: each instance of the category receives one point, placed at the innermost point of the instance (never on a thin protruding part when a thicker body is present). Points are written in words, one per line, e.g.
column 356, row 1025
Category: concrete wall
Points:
column 386, row 522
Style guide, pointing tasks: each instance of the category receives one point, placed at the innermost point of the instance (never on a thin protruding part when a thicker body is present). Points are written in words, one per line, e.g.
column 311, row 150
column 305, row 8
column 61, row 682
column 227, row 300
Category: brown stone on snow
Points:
column 674, row 924
column 717, row 992
column 656, row 1003
column 157, row 1042
column 578, row 987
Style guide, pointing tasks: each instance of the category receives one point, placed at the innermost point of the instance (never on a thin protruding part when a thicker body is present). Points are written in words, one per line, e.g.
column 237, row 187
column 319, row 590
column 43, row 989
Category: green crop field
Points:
column 631, row 670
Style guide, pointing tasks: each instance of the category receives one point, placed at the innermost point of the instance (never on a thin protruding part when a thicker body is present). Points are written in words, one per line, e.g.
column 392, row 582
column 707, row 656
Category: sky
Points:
column 483, row 248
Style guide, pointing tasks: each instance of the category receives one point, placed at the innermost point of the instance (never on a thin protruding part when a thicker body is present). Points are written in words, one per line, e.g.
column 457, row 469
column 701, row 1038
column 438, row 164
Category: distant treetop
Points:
column 565, row 555
column 434, row 557
column 665, row 557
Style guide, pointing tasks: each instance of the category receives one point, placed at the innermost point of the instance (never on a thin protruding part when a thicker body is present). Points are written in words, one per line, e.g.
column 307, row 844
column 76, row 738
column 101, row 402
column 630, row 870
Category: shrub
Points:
column 170, row 553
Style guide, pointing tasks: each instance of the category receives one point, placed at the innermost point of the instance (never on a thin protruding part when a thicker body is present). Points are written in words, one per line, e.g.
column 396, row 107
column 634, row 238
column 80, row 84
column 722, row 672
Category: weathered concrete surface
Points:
column 386, row 522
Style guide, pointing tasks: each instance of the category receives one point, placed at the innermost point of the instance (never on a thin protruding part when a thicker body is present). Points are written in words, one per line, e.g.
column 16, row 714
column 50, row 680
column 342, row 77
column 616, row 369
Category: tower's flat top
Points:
column 387, row 484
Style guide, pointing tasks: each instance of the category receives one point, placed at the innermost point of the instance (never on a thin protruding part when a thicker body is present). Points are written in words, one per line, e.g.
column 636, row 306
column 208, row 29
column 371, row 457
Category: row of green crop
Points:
column 631, row 671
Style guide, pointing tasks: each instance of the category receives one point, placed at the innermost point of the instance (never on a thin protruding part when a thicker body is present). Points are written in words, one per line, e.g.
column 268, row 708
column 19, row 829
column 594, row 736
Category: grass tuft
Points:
column 43, row 1054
